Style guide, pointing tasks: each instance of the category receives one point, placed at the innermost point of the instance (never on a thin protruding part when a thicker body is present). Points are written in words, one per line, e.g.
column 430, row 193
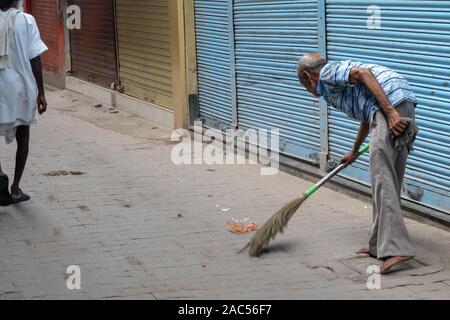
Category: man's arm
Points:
column 36, row 66
column 366, row 77
column 362, row 135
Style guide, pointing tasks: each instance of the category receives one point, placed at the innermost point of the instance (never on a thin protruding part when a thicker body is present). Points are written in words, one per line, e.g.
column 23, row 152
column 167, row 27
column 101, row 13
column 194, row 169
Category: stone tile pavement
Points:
column 106, row 197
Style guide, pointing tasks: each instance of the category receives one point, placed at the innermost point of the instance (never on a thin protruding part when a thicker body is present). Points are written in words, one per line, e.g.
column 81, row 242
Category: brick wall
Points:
column 49, row 17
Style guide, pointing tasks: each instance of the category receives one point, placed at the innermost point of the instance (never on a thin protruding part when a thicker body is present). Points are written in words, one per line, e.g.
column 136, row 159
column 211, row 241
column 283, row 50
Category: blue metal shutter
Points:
column 214, row 57
column 270, row 36
column 413, row 40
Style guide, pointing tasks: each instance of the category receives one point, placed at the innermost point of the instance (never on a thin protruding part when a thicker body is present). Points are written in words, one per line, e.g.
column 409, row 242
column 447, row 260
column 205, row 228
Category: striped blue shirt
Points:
column 355, row 100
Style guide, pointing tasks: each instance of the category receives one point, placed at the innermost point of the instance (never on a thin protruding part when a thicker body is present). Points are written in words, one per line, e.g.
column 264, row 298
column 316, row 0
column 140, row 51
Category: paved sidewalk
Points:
column 140, row 227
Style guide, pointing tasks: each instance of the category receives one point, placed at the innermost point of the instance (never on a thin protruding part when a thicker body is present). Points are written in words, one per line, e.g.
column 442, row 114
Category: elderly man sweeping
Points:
column 21, row 89
column 383, row 102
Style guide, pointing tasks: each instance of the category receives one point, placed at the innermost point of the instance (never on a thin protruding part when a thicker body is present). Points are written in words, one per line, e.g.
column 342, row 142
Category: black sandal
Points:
column 5, row 197
column 22, row 198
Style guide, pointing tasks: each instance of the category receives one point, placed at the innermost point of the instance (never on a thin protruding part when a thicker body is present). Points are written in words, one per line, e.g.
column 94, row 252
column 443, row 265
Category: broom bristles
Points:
column 276, row 224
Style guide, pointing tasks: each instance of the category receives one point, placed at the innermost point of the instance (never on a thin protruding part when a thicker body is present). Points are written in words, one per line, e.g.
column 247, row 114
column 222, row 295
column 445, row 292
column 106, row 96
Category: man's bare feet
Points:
column 392, row 261
column 365, row 251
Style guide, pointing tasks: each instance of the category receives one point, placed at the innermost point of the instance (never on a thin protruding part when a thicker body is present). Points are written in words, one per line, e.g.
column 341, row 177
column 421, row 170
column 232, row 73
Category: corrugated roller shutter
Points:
column 413, row 40
column 214, row 62
column 93, row 47
column 144, row 42
column 270, row 38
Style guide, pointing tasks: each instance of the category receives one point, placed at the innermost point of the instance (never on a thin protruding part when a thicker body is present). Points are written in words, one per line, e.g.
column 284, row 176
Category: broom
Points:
column 278, row 222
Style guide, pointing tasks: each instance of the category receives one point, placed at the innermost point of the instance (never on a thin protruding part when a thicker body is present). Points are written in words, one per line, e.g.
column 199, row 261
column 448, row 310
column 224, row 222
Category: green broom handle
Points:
column 314, row 188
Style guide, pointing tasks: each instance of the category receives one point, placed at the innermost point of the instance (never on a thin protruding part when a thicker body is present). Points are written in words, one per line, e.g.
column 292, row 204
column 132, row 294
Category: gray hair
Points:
column 311, row 63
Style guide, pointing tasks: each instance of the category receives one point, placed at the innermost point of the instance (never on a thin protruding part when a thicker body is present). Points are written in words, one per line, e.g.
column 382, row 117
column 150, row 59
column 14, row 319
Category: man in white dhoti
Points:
column 21, row 89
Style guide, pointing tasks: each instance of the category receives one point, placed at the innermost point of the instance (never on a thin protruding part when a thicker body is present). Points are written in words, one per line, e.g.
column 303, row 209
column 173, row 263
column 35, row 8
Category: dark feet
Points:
column 365, row 251
column 392, row 261
column 17, row 196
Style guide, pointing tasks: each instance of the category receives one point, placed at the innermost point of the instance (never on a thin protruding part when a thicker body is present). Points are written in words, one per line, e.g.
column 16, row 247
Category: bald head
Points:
column 310, row 63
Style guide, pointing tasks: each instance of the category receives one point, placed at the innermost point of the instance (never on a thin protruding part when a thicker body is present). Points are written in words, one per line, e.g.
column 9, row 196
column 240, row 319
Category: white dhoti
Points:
column 18, row 88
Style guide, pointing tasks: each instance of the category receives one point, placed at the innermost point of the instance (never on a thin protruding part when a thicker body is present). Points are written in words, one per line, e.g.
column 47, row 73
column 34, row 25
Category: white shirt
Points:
column 18, row 88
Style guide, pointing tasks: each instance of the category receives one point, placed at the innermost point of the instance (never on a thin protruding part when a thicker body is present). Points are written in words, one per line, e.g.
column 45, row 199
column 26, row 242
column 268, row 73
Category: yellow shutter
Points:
column 144, row 45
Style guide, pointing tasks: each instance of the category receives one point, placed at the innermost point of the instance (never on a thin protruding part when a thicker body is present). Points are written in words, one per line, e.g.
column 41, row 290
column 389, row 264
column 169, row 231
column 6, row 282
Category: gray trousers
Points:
column 389, row 236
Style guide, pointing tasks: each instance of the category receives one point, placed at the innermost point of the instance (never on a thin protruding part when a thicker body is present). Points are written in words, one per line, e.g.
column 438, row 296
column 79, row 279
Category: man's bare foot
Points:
column 365, row 251
column 17, row 196
column 392, row 261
